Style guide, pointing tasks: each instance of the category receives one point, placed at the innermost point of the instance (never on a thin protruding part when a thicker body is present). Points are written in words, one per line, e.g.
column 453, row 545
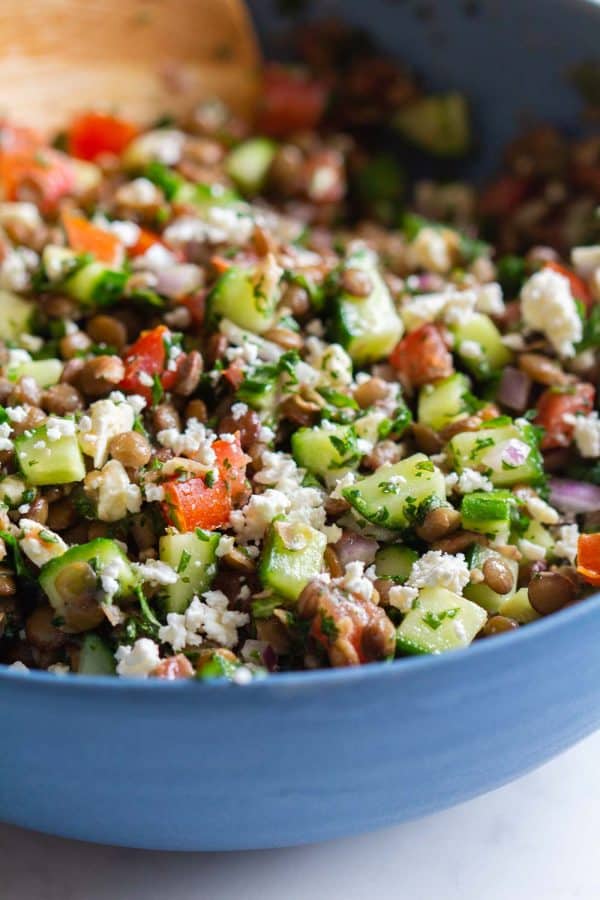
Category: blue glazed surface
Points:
column 304, row 757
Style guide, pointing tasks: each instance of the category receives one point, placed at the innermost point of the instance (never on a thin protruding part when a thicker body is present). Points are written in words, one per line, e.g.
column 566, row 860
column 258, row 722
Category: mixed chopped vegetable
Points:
column 269, row 401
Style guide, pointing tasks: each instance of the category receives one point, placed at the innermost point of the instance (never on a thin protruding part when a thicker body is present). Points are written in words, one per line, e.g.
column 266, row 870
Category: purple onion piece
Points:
column 269, row 658
column 353, row 547
column 574, row 496
column 179, row 281
column 514, row 389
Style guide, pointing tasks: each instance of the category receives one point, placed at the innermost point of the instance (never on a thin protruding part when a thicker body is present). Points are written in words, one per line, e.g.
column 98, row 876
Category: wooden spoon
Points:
column 138, row 58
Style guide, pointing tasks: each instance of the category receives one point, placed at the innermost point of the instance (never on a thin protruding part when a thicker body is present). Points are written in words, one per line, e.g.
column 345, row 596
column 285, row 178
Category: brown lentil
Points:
column 33, row 417
column 61, row 514
column 76, row 585
column 296, row 299
column 426, row 439
column 459, row 541
column 131, row 449
column 497, row 575
column 104, row 329
column 371, row 392
column 378, row 638
column 356, row 282
column 248, row 425
column 196, row 409
column 101, row 375
column 499, row 625
column 543, row 369
column 550, row 591
column 438, row 523
column 41, row 631
column 299, row 411
column 26, row 391
column 8, row 585
column 38, row 510
column 61, row 399
column 165, row 416
column 72, row 345
column 332, row 562
column 284, row 337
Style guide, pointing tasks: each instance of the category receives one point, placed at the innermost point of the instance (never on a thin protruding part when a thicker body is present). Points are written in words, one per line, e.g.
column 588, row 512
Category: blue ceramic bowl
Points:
column 304, row 757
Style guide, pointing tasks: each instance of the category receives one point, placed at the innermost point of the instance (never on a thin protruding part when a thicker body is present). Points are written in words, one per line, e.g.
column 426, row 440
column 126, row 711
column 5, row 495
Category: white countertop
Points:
column 536, row 839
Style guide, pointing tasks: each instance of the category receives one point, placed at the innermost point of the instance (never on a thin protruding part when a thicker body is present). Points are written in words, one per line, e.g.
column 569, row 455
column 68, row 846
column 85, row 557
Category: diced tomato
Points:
column 43, row 176
column 422, row 356
column 234, row 374
column 503, row 196
column 555, row 409
column 579, row 288
column 220, row 264
column 192, row 504
column 231, row 463
column 174, row 667
column 147, row 358
column 93, row 134
column 291, row 101
column 146, row 239
column 588, row 558
column 196, row 304
column 84, row 237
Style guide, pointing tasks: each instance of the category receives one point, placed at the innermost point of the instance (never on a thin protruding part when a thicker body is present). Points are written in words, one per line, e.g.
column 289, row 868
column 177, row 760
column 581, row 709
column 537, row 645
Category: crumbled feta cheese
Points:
column 238, row 410
column 451, row 306
column 470, row 480
column 106, row 419
column 116, row 495
column 145, row 379
column 27, row 214
column 586, row 260
column 164, row 145
column 12, row 489
column 251, row 522
column 541, row 511
column 566, row 545
column 154, row 493
column 345, row 481
column 547, row 305
column 531, row 550
column 430, row 249
column 59, row 669
column 354, row 581
column 139, row 660
column 489, row 299
column 154, row 571
column 135, row 401
column 242, row 676
column 195, row 442
column 225, row 545
column 265, row 434
column 433, row 569
column 16, row 413
column 587, row 435
column 5, row 441
column 57, row 428
column 40, row 544
column 19, row 666
column 216, row 225
column 209, row 617
column 16, row 269
column 331, row 362
column 127, row 232
column 471, row 350
column 514, row 342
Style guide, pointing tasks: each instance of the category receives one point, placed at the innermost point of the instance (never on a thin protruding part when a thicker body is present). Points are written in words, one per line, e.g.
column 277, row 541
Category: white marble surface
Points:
column 536, row 839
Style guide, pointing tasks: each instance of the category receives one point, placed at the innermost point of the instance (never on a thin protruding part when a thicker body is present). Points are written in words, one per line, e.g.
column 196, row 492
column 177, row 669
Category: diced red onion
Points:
column 353, row 547
column 514, row 389
column 269, row 658
column 179, row 281
column 574, row 496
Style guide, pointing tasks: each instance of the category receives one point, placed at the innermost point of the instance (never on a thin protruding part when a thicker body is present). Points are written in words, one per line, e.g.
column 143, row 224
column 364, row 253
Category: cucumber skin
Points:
column 443, row 402
column 104, row 549
column 233, row 297
column 95, row 657
column 414, row 635
column 312, row 449
column 287, row 572
column 170, row 549
column 51, row 469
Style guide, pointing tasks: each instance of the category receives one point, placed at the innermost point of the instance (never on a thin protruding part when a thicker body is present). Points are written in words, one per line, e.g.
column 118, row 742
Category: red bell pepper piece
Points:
column 555, row 408
column 588, row 558
column 85, row 237
column 93, row 134
column 291, row 101
column 231, row 463
column 44, row 176
column 422, row 356
column 192, row 504
column 147, row 359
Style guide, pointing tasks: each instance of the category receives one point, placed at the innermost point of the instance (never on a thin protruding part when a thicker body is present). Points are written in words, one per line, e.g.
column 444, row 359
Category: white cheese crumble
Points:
column 154, row 571
column 566, row 545
column 547, row 305
column 195, row 442
column 531, row 550
column 541, row 511
column 56, row 428
column 16, row 269
column 451, row 306
column 137, row 661
column 587, row 435
column 208, row 617
column 105, row 420
column 5, row 441
column 433, row 569
column 154, row 493
column 38, row 543
column 116, row 495
column 217, row 225
column 355, row 581
column 59, row 669
column 586, row 260
column 489, row 299
column 471, row 350
column 468, row 481
column 430, row 250
column 225, row 545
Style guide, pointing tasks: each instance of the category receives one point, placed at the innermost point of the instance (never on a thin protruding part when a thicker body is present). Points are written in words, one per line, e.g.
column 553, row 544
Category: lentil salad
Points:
column 258, row 414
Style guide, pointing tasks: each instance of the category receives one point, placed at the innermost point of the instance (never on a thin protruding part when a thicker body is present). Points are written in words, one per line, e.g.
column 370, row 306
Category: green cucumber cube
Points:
column 248, row 163
column 444, row 402
column 518, row 607
column 480, row 329
column 328, row 453
column 480, row 592
column 439, row 124
column 487, row 512
column 236, row 297
column 292, row 555
column 507, row 453
column 439, row 621
column 395, row 495
column 45, row 372
column 15, row 316
column 95, row 657
column 193, row 555
column 395, row 562
column 44, row 461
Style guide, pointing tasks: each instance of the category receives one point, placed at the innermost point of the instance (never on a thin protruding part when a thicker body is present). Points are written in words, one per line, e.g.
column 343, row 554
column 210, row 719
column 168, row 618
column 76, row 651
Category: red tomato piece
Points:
column 579, row 288
column 422, row 356
column 85, row 237
column 291, row 101
column 502, row 197
column 147, row 357
column 93, row 134
column 174, row 667
column 192, row 504
column 146, row 239
column 555, row 408
column 231, row 463
column 43, row 176
column 588, row 557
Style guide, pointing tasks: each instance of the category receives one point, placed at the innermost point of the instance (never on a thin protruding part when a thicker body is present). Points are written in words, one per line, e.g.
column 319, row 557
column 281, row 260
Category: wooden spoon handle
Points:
column 140, row 58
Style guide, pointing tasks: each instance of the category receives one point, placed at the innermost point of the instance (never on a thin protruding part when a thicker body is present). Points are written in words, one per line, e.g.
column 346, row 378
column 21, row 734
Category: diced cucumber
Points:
column 518, row 607
column 327, row 453
column 15, row 316
column 396, row 495
column 487, row 512
column 193, row 555
column 537, row 534
column 95, row 657
column 43, row 461
column 395, row 562
column 205, row 196
column 95, row 284
column 368, row 327
column 292, row 555
column 481, row 593
column 440, row 620
column 235, row 296
column 480, row 329
column 104, row 556
column 439, row 124
column 45, row 372
column 87, row 176
column 444, row 402
column 491, row 449
column 248, row 163
column 58, row 262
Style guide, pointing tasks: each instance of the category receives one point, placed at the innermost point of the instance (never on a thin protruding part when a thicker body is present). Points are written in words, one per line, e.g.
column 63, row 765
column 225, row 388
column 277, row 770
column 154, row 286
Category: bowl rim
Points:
column 324, row 677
